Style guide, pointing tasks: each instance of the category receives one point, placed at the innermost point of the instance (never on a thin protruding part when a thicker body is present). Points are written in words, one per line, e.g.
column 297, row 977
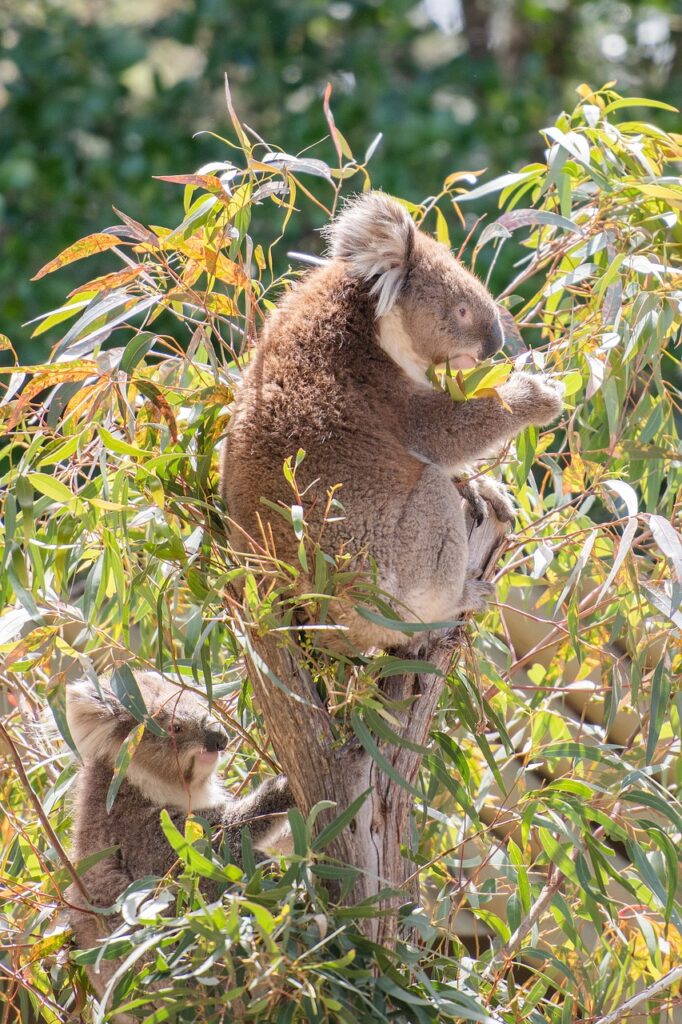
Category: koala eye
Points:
column 462, row 311
column 174, row 727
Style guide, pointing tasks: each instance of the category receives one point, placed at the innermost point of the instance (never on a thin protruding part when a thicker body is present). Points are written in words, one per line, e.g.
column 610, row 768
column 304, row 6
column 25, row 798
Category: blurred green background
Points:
column 96, row 96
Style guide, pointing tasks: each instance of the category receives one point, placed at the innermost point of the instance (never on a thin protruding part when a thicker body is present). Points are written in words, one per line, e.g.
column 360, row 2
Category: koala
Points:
column 340, row 372
column 175, row 771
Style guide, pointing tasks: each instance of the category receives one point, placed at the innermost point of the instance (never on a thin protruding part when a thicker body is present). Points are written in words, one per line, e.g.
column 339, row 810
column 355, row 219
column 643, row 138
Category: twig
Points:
column 44, row 820
column 510, row 948
column 659, row 986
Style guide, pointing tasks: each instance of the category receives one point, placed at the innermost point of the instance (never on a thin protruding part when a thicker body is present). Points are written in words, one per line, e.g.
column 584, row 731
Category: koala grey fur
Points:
column 340, row 373
column 176, row 772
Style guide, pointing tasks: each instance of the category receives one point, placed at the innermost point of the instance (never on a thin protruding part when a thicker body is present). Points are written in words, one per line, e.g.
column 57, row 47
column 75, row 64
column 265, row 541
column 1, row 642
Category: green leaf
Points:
column 51, row 487
column 119, row 446
column 370, row 745
column 636, row 101
column 497, row 184
column 331, row 831
column 409, row 628
column 135, row 351
column 123, row 758
column 660, row 697
column 558, row 854
column 299, row 833
column 124, row 686
column 192, row 859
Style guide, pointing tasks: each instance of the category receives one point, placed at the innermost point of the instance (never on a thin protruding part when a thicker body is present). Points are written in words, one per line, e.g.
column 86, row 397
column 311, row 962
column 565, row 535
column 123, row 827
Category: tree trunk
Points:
column 303, row 735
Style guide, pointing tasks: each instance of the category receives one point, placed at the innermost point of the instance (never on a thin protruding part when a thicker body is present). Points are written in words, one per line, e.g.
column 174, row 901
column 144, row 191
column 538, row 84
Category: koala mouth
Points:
column 463, row 362
column 208, row 757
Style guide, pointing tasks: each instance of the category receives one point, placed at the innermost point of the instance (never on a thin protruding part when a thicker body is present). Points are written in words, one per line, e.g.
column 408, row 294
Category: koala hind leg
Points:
column 432, row 549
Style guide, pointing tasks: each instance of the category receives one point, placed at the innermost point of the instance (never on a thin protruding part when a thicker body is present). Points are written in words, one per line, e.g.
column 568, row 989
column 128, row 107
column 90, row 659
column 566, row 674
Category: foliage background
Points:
column 96, row 97
column 550, row 826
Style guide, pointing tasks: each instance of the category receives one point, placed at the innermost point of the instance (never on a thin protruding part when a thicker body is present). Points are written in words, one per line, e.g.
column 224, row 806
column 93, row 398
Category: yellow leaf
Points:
column 220, row 304
column 57, row 375
column 222, row 268
column 574, row 475
column 442, row 233
column 108, row 281
column 208, row 181
column 586, row 93
column 193, row 830
column 87, row 246
column 672, row 196
column 81, row 404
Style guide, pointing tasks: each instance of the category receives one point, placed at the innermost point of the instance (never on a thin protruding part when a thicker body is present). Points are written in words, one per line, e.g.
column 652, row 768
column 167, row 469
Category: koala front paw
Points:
column 475, row 595
column 280, row 792
column 533, row 399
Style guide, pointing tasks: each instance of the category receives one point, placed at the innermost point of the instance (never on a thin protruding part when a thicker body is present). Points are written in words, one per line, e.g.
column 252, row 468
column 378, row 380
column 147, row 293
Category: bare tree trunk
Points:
column 304, row 738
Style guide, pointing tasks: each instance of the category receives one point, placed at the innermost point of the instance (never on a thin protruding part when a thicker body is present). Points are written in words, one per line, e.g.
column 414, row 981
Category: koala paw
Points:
column 496, row 496
column 483, row 494
column 535, row 400
column 280, row 791
column 470, row 493
column 475, row 595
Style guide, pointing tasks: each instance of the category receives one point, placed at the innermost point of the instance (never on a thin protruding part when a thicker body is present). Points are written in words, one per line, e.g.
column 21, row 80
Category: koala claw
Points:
column 498, row 499
column 471, row 495
column 482, row 492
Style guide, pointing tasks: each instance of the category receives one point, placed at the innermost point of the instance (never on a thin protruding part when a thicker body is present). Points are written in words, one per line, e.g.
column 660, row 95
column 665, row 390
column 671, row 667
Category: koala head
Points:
column 429, row 307
column 174, row 768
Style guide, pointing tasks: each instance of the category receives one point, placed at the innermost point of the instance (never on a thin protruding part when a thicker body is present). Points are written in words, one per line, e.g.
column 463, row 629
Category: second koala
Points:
column 340, row 372
column 175, row 771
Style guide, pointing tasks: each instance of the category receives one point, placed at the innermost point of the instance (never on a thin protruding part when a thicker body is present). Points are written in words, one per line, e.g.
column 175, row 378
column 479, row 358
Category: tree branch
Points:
column 666, row 982
column 319, row 768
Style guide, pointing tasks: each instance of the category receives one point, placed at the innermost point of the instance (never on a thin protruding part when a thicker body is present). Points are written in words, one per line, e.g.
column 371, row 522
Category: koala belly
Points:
column 422, row 561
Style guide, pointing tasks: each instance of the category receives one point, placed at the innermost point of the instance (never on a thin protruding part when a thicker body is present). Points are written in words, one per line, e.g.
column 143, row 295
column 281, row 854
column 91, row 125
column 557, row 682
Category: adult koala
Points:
column 341, row 373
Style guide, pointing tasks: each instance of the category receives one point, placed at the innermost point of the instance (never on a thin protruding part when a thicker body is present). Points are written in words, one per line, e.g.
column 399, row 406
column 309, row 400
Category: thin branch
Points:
column 44, row 820
column 666, row 982
column 510, row 948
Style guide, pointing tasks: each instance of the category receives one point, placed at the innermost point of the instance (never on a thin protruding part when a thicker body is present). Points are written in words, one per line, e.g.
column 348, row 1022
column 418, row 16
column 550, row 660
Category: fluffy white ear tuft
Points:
column 374, row 235
column 92, row 720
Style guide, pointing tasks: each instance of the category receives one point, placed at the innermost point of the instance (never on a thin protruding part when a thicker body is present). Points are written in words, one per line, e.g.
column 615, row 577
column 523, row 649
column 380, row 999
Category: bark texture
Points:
column 320, row 768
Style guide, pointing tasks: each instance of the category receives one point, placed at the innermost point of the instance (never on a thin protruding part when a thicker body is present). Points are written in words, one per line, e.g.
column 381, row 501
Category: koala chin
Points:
column 175, row 770
column 340, row 371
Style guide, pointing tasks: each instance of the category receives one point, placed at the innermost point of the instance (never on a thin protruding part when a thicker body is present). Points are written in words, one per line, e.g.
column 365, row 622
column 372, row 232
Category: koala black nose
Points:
column 494, row 339
column 215, row 738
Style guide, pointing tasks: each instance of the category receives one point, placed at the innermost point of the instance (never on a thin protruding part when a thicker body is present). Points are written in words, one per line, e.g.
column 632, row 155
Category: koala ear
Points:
column 91, row 715
column 374, row 235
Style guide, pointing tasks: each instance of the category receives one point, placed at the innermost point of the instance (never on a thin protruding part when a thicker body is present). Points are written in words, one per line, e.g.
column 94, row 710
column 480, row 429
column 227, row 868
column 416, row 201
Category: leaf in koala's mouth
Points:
column 463, row 362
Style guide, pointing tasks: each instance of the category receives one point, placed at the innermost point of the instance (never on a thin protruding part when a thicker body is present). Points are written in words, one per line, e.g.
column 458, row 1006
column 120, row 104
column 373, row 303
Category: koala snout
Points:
column 494, row 340
column 215, row 738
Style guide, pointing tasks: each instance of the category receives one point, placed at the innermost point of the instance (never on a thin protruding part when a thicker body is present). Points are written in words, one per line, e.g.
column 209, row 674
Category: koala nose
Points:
column 494, row 339
column 215, row 738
